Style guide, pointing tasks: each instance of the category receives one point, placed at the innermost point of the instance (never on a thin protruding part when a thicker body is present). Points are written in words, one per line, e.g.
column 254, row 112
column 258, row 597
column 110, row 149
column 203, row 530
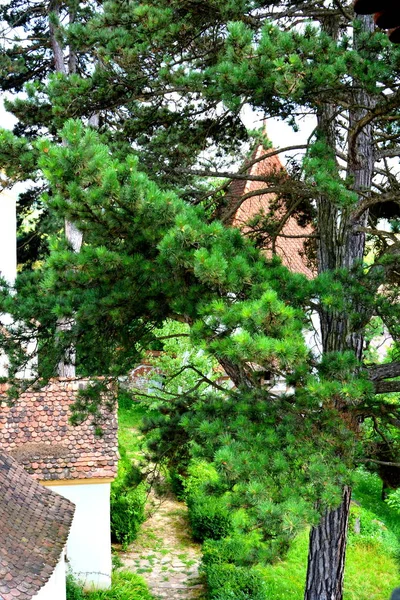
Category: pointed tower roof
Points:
column 290, row 247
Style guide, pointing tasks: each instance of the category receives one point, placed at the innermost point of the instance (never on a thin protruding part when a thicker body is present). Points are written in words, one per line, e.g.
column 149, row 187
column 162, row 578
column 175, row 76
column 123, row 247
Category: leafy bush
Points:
column 209, row 517
column 393, row 500
column 73, row 589
column 128, row 500
column 127, row 513
column 240, row 549
column 125, row 400
column 228, row 582
column 201, row 475
column 124, row 586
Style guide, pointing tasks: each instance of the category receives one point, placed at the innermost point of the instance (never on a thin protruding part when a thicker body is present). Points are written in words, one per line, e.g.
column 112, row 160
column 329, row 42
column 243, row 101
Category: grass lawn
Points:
column 372, row 567
column 129, row 420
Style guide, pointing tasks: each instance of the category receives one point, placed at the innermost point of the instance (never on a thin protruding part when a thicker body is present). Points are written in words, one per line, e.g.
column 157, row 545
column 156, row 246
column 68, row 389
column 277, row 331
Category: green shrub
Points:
column 125, row 586
column 209, row 517
column 201, row 475
column 240, row 549
column 128, row 500
column 393, row 500
column 176, row 481
column 125, row 400
column 127, row 513
column 73, row 589
column 228, row 582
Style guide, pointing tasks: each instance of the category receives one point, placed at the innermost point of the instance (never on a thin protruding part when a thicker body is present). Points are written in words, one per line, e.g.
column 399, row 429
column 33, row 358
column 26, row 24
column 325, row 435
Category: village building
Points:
column 34, row 526
column 72, row 462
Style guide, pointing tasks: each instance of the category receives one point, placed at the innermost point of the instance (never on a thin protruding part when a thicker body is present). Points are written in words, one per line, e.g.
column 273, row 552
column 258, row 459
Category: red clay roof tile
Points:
column 37, row 433
column 290, row 249
column 34, row 526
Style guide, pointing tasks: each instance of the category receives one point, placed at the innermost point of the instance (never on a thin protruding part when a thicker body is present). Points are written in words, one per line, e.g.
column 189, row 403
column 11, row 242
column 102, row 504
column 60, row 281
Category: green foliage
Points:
column 372, row 531
column 125, row 400
column 124, row 586
column 393, row 500
column 149, row 253
column 74, row 591
column 228, row 582
column 242, row 550
column 209, row 517
column 368, row 492
column 128, row 500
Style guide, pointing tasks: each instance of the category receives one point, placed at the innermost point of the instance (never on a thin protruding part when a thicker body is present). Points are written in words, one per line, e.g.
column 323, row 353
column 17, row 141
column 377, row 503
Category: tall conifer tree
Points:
column 168, row 80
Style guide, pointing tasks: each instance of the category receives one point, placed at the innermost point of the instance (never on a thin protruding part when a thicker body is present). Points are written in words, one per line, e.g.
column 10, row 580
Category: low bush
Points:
column 209, row 517
column 228, row 582
column 73, row 589
column 393, row 500
column 127, row 513
column 125, row 400
column 128, row 500
column 201, row 476
column 124, row 586
column 240, row 549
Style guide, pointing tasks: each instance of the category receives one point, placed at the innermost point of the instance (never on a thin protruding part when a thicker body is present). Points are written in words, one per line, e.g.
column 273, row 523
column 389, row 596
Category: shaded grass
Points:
column 370, row 574
column 367, row 491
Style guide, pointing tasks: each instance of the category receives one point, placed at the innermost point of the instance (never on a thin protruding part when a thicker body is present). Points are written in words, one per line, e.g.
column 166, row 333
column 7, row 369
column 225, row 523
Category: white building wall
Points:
column 55, row 587
column 8, row 228
column 8, row 270
column 8, row 251
column 89, row 543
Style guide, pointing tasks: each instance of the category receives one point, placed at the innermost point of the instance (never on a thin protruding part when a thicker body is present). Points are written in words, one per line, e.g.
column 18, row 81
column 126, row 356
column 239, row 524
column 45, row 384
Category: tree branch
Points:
column 387, row 387
column 380, row 462
column 385, row 371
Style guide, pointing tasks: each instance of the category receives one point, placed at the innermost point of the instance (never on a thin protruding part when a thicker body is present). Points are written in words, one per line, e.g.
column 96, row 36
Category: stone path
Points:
column 164, row 554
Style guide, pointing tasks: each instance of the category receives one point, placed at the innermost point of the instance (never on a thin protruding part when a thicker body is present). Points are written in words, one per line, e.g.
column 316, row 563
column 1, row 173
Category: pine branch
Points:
column 387, row 387
column 385, row 371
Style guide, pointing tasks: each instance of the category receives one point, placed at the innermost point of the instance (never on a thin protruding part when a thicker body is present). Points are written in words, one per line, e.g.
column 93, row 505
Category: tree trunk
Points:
column 341, row 246
column 66, row 366
column 326, row 554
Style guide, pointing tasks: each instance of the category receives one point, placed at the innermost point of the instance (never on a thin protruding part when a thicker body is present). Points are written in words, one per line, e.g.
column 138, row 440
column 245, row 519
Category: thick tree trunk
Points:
column 341, row 246
column 66, row 366
column 326, row 554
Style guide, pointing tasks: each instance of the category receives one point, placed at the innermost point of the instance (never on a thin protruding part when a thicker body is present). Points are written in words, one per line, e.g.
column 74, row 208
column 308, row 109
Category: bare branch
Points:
column 385, row 371
column 380, row 462
column 387, row 387
column 372, row 201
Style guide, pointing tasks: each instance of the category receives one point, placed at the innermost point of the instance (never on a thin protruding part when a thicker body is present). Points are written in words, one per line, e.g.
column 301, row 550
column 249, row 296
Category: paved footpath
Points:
column 164, row 553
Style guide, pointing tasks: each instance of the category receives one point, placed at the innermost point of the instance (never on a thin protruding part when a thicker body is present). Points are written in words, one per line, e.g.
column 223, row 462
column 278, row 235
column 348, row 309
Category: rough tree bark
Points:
column 341, row 245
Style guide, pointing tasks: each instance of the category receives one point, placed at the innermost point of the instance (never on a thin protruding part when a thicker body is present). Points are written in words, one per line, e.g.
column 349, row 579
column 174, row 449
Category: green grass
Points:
column 372, row 567
column 128, row 431
column 367, row 491
column 370, row 574
column 124, row 586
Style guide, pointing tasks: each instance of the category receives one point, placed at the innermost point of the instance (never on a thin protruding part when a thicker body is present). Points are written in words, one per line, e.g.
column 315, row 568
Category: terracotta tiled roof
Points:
column 37, row 433
column 34, row 526
column 290, row 249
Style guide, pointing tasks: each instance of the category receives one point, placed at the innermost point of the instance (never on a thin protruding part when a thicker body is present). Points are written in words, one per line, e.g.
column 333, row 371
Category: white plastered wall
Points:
column 8, row 228
column 88, row 549
column 8, row 269
column 55, row 587
column 8, row 251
